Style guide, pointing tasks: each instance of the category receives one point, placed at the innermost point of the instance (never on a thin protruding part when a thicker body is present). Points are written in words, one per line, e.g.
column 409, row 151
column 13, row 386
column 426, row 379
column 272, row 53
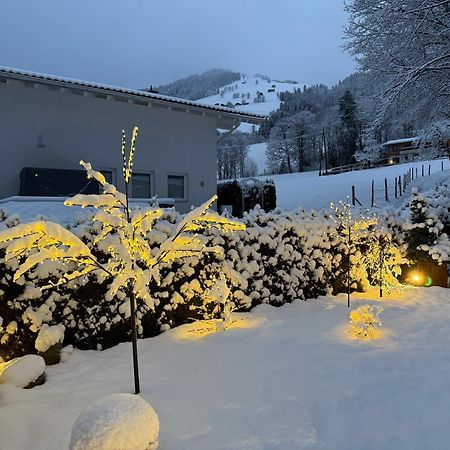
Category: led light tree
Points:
column 384, row 259
column 130, row 262
column 352, row 233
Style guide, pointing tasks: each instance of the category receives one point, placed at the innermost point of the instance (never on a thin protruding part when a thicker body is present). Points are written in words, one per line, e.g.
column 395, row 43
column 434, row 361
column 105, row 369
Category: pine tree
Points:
column 349, row 128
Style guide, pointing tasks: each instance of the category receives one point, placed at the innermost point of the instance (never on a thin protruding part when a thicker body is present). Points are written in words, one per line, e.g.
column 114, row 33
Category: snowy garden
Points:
column 230, row 354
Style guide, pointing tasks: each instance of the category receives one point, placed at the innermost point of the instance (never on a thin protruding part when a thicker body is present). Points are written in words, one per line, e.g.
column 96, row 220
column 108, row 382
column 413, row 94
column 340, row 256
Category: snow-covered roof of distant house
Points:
column 401, row 141
column 220, row 111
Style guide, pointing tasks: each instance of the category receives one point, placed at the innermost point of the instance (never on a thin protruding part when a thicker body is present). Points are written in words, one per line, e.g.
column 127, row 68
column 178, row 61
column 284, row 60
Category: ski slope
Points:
column 252, row 85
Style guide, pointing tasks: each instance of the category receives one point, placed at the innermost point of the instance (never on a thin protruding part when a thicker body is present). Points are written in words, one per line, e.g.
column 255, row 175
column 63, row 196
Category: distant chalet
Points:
column 410, row 149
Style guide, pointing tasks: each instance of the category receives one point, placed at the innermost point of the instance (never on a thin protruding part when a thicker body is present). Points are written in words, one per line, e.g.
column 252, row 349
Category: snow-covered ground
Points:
column 292, row 379
column 251, row 85
column 310, row 191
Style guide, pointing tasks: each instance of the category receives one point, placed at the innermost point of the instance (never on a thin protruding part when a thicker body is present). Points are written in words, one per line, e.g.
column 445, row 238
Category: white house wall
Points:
column 49, row 127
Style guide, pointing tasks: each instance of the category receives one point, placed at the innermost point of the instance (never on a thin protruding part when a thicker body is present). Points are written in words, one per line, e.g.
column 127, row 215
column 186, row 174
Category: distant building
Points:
column 49, row 123
column 410, row 149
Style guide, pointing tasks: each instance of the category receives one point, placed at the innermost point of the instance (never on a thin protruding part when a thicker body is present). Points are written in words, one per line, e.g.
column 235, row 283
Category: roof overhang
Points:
column 227, row 118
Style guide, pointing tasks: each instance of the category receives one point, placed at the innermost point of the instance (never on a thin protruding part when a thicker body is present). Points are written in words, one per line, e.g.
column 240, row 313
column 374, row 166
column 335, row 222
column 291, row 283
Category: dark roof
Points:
column 54, row 79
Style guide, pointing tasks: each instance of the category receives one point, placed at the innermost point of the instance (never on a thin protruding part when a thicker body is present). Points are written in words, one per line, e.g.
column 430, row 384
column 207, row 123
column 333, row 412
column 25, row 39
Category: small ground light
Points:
column 418, row 279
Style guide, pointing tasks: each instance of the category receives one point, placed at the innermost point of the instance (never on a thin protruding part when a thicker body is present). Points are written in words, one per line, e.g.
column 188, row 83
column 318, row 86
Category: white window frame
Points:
column 185, row 187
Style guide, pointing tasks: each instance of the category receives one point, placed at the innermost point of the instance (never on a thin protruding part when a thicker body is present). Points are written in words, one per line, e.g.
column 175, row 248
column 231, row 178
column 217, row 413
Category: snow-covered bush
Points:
column 364, row 321
column 280, row 257
column 24, row 372
column 424, row 228
column 245, row 194
column 117, row 421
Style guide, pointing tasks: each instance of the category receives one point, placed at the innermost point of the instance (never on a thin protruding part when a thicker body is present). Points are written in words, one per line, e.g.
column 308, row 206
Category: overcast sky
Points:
column 135, row 43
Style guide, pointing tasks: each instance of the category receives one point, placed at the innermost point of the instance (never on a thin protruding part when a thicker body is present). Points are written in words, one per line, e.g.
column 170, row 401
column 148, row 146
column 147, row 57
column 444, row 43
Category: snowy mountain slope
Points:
column 246, row 90
column 310, row 191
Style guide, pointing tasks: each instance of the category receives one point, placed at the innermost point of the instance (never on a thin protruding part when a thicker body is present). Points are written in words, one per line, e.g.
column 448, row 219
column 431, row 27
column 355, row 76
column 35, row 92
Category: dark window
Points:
column 176, row 186
column 140, row 185
column 108, row 175
column 55, row 182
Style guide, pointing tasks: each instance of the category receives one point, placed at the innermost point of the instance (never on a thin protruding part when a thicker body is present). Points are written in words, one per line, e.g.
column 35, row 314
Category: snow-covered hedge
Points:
column 280, row 257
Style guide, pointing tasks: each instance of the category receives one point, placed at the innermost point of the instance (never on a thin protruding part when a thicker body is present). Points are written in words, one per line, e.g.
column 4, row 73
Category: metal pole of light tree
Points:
column 396, row 187
column 380, row 244
column 386, row 196
column 353, row 196
column 349, row 263
column 422, row 170
column 137, row 388
column 429, row 169
column 400, row 185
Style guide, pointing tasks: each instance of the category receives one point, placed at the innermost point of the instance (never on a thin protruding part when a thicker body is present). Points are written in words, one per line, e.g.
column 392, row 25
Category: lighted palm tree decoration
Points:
column 123, row 238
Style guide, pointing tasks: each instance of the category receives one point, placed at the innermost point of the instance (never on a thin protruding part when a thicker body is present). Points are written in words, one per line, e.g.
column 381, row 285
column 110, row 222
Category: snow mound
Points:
column 21, row 372
column 116, row 422
column 49, row 336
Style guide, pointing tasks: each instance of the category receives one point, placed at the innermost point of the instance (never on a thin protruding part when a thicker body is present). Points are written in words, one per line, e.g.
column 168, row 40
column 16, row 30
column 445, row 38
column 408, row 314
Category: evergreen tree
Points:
column 424, row 232
column 349, row 128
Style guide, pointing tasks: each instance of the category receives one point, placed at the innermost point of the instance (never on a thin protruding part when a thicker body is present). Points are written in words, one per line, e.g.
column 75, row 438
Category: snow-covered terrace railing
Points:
column 164, row 202
column 29, row 208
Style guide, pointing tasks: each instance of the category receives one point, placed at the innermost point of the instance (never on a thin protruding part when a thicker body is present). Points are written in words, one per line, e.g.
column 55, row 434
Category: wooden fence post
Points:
column 373, row 194
column 422, row 169
column 416, row 173
column 386, row 196
column 442, row 166
column 429, row 169
column 400, row 184
column 395, row 188
column 353, row 196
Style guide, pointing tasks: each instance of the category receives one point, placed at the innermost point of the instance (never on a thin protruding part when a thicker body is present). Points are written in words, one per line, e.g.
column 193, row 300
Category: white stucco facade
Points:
column 54, row 123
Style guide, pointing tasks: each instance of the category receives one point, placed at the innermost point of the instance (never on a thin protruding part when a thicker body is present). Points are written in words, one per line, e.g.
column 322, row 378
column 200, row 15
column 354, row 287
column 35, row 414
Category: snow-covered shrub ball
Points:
column 116, row 422
column 48, row 343
column 365, row 321
column 25, row 372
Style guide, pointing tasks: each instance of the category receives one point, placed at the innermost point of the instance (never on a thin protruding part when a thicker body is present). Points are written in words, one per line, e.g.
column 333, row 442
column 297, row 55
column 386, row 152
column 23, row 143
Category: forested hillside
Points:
column 200, row 86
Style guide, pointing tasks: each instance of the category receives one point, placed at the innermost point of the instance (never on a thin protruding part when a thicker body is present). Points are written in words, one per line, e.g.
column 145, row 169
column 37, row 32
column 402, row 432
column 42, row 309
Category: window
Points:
column 140, row 185
column 176, row 186
column 108, row 175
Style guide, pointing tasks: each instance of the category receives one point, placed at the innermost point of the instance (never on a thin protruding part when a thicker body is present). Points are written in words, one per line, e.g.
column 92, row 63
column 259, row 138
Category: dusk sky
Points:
column 136, row 43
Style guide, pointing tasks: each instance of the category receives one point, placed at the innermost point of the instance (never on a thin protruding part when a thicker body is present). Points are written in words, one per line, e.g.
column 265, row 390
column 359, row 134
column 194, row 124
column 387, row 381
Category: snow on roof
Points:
column 402, row 141
column 42, row 77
